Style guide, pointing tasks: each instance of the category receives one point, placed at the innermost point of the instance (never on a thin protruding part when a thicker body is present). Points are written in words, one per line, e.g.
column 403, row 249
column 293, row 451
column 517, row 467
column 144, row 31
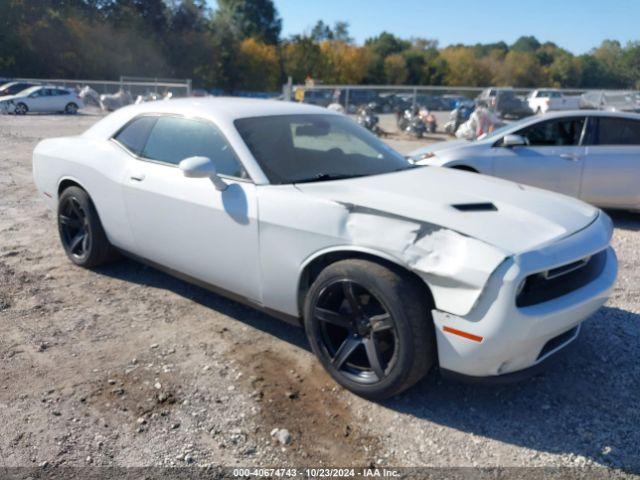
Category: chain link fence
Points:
column 135, row 85
column 388, row 98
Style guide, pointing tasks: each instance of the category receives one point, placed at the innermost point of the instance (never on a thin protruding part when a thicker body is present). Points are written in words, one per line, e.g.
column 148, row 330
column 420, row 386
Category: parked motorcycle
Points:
column 457, row 117
column 368, row 119
column 411, row 122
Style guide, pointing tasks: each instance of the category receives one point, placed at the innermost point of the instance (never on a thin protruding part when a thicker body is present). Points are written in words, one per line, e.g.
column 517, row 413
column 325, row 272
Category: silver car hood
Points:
column 440, row 146
column 525, row 217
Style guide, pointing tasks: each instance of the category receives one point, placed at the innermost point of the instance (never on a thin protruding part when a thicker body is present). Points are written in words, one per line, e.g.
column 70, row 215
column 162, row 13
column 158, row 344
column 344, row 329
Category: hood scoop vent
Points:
column 476, row 207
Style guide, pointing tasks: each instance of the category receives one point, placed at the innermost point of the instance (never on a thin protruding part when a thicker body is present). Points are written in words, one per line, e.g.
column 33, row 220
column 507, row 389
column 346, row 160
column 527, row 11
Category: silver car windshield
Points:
column 502, row 130
column 316, row 147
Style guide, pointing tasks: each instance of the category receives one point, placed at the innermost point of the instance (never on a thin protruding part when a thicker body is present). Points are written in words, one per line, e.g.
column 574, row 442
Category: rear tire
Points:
column 81, row 233
column 71, row 109
column 371, row 327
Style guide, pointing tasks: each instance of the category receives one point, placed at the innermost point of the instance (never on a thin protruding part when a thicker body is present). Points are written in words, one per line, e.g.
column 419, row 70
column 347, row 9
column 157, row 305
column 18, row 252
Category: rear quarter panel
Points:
column 97, row 166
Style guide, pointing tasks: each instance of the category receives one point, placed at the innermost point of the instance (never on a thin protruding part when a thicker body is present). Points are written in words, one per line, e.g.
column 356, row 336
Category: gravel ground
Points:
column 127, row 366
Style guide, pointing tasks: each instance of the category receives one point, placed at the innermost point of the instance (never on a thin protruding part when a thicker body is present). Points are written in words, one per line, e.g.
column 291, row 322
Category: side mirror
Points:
column 514, row 141
column 202, row 167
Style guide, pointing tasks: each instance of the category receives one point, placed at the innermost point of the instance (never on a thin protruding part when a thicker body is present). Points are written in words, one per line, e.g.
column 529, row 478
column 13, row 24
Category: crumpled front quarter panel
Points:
column 295, row 228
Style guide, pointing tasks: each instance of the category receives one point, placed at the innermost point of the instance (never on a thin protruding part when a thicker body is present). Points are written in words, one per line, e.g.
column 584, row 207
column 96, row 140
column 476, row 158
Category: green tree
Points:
column 395, row 69
column 520, row 69
column 302, row 57
column 252, row 18
column 526, row 44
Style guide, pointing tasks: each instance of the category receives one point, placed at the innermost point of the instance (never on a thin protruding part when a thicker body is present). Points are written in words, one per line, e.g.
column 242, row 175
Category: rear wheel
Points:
column 371, row 327
column 71, row 109
column 81, row 232
column 21, row 109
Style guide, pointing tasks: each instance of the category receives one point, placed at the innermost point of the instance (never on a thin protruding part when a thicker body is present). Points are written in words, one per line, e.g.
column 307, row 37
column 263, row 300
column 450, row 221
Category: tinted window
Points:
column 294, row 148
column 134, row 135
column 173, row 139
column 617, row 131
column 12, row 90
column 560, row 132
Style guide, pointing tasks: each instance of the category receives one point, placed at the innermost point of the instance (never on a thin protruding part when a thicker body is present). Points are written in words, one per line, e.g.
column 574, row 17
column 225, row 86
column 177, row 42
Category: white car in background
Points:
column 300, row 212
column 42, row 99
column 547, row 100
column 590, row 155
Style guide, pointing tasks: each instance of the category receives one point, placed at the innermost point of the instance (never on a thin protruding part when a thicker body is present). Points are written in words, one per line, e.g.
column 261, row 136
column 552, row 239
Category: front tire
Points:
column 21, row 109
column 81, row 233
column 371, row 327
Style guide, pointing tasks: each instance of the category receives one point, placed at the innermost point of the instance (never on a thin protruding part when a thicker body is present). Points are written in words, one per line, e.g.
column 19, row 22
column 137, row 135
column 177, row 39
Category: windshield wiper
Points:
column 321, row 177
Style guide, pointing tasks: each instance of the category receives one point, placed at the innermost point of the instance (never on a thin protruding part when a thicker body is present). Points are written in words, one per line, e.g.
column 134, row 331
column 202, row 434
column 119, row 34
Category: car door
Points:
column 553, row 159
column 60, row 98
column 185, row 224
column 37, row 101
column 612, row 164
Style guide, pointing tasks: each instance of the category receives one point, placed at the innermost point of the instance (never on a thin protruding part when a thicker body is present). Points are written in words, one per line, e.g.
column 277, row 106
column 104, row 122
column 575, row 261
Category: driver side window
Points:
column 172, row 139
column 554, row 133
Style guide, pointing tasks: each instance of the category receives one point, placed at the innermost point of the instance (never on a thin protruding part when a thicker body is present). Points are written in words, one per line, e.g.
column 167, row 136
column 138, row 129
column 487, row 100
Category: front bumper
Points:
column 505, row 338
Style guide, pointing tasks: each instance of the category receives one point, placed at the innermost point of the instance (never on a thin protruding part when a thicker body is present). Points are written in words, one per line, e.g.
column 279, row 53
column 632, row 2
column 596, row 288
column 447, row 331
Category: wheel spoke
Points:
column 349, row 294
column 76, row 209
column 332, row 317
column 76, row 241
column 85, row 243
column 381, row 322
column 70, row 222
column 373, row 356
column 345, row 351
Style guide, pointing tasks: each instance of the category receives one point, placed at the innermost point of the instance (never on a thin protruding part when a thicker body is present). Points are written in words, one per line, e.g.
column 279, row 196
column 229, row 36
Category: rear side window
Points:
column 173, row 139
column 134, row 135
column 617, row 131
column 560, row 132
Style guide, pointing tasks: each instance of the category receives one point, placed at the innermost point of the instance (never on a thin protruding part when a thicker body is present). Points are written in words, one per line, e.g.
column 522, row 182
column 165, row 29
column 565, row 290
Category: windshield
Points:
column 29, row 91
column 316, row 147
column 502, row 130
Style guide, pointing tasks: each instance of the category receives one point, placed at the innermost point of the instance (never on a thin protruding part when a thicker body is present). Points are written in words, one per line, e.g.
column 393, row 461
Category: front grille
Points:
column 549, row 285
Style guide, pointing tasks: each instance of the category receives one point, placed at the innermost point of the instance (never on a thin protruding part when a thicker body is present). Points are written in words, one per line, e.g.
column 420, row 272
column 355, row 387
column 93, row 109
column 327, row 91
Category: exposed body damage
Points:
column 454, row 266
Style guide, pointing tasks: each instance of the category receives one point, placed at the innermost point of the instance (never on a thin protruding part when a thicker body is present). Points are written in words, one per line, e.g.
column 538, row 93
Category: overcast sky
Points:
column 577, row 25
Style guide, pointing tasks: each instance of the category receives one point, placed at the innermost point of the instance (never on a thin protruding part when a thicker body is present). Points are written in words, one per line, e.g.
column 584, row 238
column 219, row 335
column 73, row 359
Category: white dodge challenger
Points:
column 390, row 267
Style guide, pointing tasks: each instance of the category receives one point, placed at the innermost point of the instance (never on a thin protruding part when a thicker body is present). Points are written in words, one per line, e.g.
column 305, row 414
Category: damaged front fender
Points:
column 456, row 267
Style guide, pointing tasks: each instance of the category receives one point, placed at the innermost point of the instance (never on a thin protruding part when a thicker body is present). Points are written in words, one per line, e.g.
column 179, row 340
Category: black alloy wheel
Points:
column 81, row 233
column 75, row 230
column 370, row 326
column 356, row 331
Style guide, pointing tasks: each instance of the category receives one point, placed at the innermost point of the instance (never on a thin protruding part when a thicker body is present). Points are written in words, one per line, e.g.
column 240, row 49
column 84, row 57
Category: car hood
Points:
column 524, row 217
column 440, row 146
column 10, row 97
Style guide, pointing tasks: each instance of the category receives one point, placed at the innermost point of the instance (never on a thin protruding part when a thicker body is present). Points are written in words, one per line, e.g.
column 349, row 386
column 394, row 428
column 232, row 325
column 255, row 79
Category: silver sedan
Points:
column 591, row 155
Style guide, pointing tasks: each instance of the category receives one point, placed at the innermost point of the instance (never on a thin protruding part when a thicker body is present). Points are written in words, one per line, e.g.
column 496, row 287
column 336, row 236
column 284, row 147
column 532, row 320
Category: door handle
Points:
column 137, row 177
column 574, row 157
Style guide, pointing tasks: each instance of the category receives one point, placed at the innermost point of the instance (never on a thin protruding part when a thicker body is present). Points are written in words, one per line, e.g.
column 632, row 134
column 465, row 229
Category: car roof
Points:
column 220, row 110
column 590, row 113
column 230, row 107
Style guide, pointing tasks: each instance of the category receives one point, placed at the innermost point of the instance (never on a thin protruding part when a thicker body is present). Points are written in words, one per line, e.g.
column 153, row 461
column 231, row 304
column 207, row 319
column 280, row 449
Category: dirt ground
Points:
column 126, row 366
